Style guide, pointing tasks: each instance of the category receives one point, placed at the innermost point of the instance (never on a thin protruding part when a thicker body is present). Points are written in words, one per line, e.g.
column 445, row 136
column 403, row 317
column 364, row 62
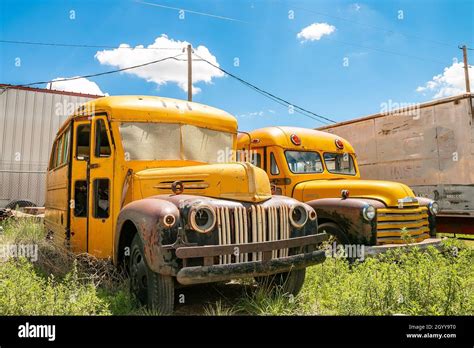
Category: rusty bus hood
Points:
column 388, row 192
column 236, row 181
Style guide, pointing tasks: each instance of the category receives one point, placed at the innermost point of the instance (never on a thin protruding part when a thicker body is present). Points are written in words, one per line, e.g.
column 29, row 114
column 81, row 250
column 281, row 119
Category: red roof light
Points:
column 295, row 139
column 339, row 144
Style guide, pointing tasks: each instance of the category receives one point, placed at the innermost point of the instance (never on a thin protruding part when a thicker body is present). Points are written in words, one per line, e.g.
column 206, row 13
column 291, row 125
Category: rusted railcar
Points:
column 429, row 147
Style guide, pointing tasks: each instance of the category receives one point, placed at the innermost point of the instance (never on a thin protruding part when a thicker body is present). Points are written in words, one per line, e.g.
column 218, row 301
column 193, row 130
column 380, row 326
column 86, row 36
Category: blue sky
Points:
column 391, row 55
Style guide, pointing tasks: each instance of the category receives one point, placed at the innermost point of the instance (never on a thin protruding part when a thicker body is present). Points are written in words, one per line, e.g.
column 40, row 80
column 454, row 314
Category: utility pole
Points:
column 466, row 68
column 190, row 73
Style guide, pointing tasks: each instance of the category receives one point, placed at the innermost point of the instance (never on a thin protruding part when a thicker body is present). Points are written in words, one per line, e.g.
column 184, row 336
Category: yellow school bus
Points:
column 148, row 182
column 321, row 169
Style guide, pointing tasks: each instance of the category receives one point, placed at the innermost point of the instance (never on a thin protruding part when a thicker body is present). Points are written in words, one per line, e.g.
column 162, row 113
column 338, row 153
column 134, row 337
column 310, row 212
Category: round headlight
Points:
column 169, row 220
column 202, row 218
column 368, row 212
column 434, row 208
column 298, row 216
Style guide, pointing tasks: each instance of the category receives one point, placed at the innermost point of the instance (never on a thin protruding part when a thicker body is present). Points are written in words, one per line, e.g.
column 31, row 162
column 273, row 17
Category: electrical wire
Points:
column 94, row 75
column 84, row 45
column 389, row 31
column 275, row 98
column 189, row 11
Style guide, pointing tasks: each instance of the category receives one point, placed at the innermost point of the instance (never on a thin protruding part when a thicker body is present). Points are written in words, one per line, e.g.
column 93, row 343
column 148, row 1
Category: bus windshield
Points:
column 303, row 162
column 153, row 141
column 339, row 163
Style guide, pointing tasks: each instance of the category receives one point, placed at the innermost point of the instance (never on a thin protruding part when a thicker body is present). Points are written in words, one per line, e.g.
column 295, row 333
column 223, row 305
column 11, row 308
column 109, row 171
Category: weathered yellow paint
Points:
column 385, row 191
column 139, row 108
column 241, row 181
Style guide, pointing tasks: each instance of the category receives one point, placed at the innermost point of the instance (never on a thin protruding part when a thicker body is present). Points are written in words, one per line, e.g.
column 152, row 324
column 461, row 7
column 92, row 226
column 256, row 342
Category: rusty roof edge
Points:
column 395, row 111
column 52, row 91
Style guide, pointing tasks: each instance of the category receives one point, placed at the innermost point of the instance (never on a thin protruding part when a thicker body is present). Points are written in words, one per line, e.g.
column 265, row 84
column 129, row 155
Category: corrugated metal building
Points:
column 29, row 120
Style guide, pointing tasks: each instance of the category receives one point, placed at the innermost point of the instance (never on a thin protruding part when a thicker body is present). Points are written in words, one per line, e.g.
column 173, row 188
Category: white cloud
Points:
column 315, row 31
column 255, row 114
column 81, row 85
column 450, row 82
column 168, row 71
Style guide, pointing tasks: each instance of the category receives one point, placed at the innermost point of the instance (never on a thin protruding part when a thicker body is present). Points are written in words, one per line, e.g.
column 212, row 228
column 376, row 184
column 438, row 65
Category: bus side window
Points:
column 80, row 198
column 83, row 142
column 65, row 158
column 102, row 145
column 273, row 165
column 257, row 160
column 101, row 198
column 54, row 154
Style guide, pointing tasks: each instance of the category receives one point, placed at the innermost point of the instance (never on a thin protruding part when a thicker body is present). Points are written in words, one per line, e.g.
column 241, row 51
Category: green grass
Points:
column 398, row 283
column 412, row 283
column 55, row 282
column 24, row 292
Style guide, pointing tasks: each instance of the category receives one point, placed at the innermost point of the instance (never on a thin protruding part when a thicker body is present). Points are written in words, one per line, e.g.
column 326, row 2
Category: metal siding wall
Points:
column 29, row 121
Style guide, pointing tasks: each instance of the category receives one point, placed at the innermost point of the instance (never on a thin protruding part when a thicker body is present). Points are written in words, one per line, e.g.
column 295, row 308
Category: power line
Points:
column 94, row 75
column 275, row 98
column 377, row 27
column 386, row 51
column 84, row 45
column 55, row 44
column 190, row 11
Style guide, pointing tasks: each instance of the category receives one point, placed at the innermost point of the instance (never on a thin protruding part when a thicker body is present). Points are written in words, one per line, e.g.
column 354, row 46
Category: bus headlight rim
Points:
column 369, row 212
column 298, row 210
column 202, row 218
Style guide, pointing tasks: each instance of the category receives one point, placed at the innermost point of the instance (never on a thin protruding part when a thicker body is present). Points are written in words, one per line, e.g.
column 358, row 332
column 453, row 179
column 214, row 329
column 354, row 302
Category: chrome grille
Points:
column 255, row 225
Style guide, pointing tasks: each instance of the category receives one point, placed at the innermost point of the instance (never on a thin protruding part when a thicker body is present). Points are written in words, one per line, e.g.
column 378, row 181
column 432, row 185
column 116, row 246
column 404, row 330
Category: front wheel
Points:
column 290, row 282
column 152, row 289
column 334, row 230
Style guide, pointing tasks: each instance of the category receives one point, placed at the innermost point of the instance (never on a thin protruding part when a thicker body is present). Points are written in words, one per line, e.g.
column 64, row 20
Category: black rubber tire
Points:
column 334, row 230
column 152, row 289
column 20, row 203
column 288, row 282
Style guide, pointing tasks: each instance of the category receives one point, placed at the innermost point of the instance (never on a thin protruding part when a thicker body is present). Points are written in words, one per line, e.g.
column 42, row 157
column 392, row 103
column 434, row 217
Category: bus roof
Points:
column 137, row 108
column 281, row 136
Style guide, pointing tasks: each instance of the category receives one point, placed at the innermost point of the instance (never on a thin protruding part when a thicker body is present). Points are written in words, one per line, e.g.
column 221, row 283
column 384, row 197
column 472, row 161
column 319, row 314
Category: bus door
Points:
column 101, row 168
column 78, row 206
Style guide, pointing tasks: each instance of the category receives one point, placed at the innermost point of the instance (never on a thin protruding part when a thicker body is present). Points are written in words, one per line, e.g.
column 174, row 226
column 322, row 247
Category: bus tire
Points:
column 151, row 289
column 19, row 203
column 334, row 230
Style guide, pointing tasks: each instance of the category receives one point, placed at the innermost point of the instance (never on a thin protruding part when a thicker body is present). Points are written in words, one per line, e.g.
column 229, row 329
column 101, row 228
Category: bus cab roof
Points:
column 138, row 108
column 281, row 136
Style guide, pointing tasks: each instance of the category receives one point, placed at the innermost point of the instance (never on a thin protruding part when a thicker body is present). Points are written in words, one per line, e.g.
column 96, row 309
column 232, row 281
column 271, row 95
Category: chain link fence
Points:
column 22, row 182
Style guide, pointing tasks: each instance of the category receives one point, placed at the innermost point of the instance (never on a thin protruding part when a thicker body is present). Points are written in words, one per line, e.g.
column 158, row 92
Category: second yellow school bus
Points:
column 321, row 169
